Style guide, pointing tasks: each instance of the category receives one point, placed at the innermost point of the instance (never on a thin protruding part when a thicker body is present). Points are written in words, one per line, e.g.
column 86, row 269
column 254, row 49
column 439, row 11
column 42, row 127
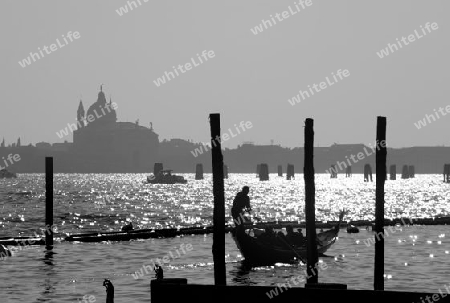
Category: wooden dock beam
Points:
column 49, row 203
column 310, row 210
column 218, row 248
column 380, row 157
column 177, row 291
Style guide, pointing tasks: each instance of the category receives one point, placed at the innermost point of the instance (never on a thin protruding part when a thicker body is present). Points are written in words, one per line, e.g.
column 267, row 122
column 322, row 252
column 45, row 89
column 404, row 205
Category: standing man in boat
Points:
column 241, row 204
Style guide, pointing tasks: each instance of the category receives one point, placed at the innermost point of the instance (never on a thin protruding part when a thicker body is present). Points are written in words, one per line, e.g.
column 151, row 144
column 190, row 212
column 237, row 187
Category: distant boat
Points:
column 257, row 252
column 166, row 177
column 4, row 174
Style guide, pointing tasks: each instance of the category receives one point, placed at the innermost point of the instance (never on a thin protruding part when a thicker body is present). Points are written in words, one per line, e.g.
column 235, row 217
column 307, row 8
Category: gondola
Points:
column 258, row 252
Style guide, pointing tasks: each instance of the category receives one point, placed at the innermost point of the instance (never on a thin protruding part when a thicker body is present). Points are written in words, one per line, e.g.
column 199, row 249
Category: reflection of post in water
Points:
column 241, row 273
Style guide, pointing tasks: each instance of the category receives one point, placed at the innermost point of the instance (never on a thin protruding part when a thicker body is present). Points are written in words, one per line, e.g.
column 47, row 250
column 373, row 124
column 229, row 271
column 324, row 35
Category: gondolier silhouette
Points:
column 241, row 204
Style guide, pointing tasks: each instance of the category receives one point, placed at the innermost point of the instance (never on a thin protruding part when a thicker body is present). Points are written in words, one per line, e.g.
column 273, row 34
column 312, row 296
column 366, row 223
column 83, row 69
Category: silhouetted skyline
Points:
column 250, row 78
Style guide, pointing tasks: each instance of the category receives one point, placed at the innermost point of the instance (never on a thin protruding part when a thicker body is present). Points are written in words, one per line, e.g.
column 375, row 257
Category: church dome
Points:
column 102, row 111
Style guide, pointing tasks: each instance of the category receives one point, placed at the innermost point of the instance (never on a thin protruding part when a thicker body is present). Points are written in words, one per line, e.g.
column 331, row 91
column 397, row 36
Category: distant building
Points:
column 44, row 146
column 104, row 144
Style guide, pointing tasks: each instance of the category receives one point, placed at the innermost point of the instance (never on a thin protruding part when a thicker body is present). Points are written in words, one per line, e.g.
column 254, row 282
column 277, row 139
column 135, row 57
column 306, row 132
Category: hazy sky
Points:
column 250, row 78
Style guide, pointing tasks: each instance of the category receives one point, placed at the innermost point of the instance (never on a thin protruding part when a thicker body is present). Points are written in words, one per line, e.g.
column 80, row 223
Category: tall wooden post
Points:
column 379, row 203
column 310, row 192
column 49, row 202
column 280, row 171
column 225, row 172
column 405, row 172
column 290, row 174
column 218, row 248
column 199, row 172
column 411, row 171
column 263, row 172
column 393, row 172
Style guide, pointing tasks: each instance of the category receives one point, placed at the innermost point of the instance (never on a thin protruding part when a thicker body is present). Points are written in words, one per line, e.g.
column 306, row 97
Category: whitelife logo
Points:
column 423, row 122
column 225, row 137
column 411, row 38
column 91, row 118
column 124, row 9
column 53, row 48
column 280, row 17
column 323, row 85
column 187, row 66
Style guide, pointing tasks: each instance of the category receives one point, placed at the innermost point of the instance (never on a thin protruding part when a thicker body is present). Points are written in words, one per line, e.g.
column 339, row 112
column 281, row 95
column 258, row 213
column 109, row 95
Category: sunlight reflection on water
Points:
column 94, row 202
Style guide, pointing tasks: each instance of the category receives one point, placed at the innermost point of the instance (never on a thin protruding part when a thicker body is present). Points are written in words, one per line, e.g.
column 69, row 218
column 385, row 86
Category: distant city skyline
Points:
column 250, row 78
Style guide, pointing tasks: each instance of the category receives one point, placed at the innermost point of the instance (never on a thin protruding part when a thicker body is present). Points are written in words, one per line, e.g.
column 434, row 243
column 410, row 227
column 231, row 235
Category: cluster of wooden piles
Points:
column 173, row 290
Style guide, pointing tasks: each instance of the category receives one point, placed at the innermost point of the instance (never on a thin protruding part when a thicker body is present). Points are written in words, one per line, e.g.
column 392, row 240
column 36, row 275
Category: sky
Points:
column 250, row 78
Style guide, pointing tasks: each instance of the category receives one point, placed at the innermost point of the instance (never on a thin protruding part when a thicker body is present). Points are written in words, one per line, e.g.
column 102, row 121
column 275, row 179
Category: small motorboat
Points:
column 166, row 177
column 259, row 251
column 5, row 174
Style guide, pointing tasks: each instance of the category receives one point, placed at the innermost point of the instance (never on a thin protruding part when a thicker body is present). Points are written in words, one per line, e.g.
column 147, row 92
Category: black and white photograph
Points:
column 224, row 151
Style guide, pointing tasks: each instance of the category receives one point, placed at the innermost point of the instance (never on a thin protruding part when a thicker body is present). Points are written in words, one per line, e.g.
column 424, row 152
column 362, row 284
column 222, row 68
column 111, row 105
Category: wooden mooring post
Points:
column 447, row 173
column 393, row 172
column 225, row 171
column 219, row 203
column 280, row 171
column 380, row 157
column 411, row 171
column 348, row 171
column 367, row 173
column 263, row 172
column 405, row 172
column 333, row 171
column 290, row 172
column 199, row 172
column 49, row 203
column 310, row 209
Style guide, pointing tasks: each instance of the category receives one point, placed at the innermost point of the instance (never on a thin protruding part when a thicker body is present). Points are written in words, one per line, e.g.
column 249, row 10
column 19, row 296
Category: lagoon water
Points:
column 416, row 257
